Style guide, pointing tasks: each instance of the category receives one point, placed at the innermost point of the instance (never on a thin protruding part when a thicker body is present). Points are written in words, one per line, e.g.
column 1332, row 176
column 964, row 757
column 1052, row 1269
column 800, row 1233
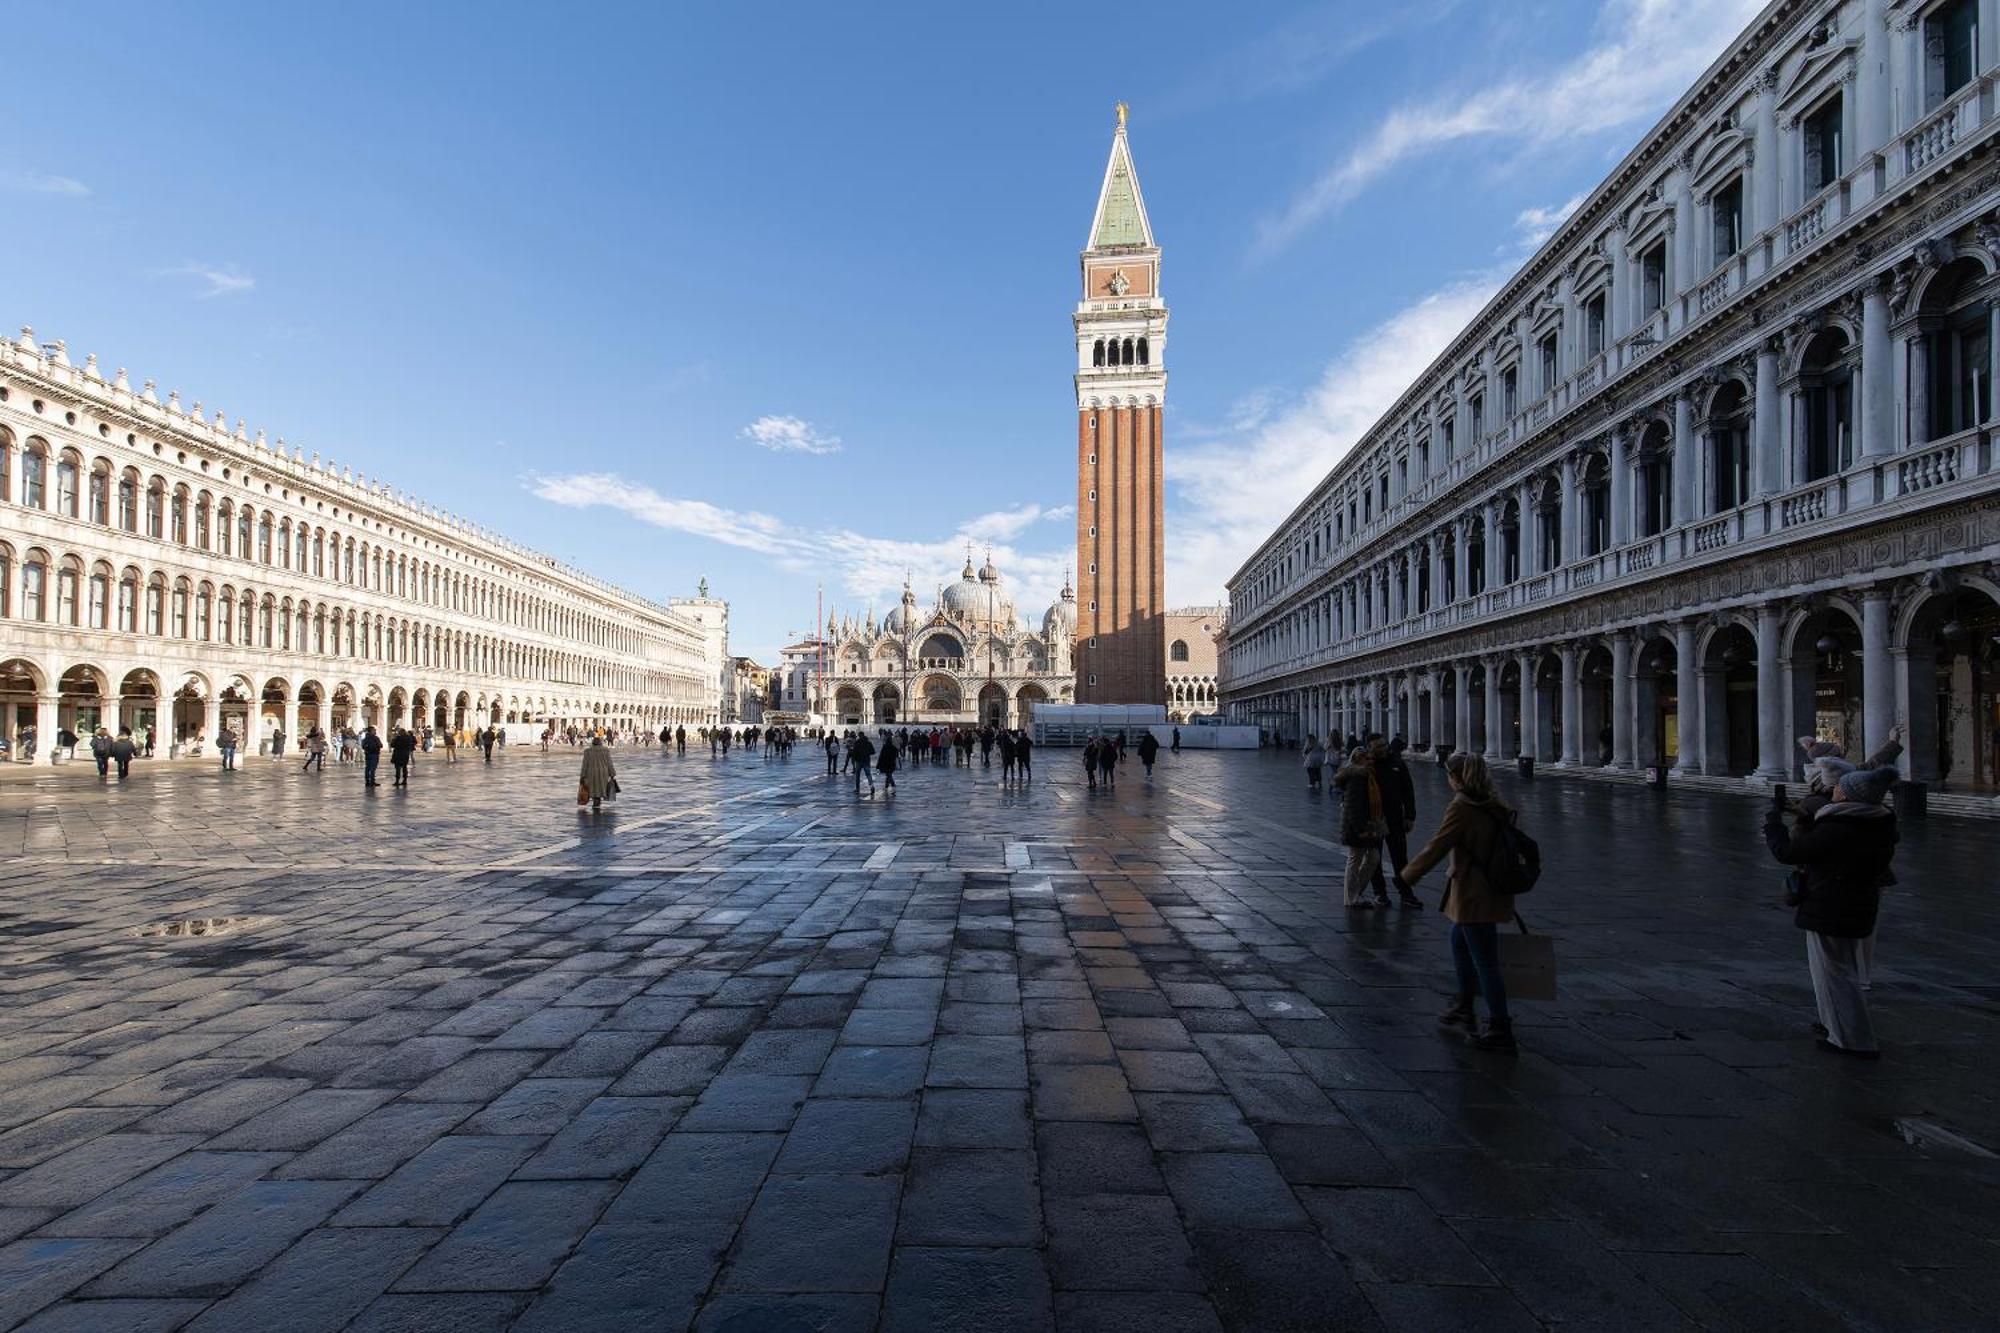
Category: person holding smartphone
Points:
column 1843, row 850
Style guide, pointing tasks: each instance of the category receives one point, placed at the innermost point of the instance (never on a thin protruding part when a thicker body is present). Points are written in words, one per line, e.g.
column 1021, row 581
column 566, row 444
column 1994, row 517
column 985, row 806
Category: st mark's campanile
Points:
column 1121, row 391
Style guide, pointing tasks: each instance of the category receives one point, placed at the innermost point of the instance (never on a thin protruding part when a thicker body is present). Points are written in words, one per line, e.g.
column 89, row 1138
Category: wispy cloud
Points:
column 1294, row 56
column 866, row 568
column 215, row 279
column 1646, row 52
column 1535, row 225
column 789, row 435
column 1228, row 494
column 41, row 182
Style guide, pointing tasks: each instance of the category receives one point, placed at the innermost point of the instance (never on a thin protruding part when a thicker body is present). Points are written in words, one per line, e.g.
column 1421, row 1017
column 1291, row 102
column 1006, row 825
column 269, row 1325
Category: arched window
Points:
column 264, row 540
column 34, row 477
column 156, row 598
column 1956, row 350
column 204, row 597
column 246, row 615
column 179, row 621
column 128, row 602
column 100, row 496
column 1145, row 356
column 66, row 485
column 1127, row 358
column 100, row 597
column 179, row 515
column 201, row 521
column 34, row 585
column 128, row 502
column 266, row 621
column 243, row 523
column 1826, row 403
column 67, row 579
column 285, row 543
column 1178, row 652
column 225, row 613
column 156, row 507
column 1728, row 448
column 1097, row 353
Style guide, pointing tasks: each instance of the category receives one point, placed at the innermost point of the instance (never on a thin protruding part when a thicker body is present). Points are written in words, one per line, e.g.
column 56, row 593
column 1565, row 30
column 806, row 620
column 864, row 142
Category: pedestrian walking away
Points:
column 1024, row 753
column 1315, row 759
column 1177, row 740
column 1149, row 750
column 861, row 758
column 885, row 763
column 1843, row 852
column 123, row 750
column 599, row 779
column 1361, row 826
column 1476, row 907
column 100, row 750
column 401, row 746
column 832, row 747
column 371, row 755
column 1399, row 815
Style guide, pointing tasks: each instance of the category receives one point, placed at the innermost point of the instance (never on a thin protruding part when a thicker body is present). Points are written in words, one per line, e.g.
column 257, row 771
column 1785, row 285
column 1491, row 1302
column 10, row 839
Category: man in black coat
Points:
column 1399, row 813
column 400, row 750
column 1843, row 851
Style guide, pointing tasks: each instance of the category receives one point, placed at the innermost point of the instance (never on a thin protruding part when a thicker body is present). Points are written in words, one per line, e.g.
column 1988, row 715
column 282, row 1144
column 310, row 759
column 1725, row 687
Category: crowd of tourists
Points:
column 1841, row 841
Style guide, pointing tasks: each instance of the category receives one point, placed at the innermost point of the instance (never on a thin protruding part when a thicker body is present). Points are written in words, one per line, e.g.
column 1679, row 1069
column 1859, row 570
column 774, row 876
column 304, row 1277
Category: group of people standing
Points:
column 851, row 751
column 1842, row 841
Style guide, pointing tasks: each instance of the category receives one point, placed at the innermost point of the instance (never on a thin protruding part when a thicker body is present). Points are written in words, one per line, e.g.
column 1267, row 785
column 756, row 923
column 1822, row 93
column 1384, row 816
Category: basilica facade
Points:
column 1716, row 469
column 967, row 659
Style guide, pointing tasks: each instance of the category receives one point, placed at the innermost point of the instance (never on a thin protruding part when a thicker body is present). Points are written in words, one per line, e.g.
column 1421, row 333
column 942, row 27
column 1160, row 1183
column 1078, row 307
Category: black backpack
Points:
column 1516, row 861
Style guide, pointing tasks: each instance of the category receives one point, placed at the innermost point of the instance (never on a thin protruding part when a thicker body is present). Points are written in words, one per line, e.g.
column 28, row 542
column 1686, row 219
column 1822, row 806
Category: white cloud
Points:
column 789, row 435
column 1535, row 225
column 216, row 279
column 1646, row 53
column 1228, row 495
column 39, row 182
column 862, row 570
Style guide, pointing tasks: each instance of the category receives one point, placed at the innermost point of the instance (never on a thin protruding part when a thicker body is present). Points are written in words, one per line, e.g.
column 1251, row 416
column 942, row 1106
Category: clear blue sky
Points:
column 780, row 293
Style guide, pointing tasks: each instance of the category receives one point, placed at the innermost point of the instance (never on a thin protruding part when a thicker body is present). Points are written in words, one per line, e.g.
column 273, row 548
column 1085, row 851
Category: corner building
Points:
column 1715, row 469
column 1121, row 393
column 158, row 569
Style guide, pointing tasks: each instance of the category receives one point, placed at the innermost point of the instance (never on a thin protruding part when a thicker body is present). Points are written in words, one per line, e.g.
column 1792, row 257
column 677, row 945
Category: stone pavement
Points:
column 747, row 1053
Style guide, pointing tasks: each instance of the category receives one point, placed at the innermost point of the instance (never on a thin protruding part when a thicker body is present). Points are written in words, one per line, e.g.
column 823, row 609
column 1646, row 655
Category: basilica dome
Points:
column 1060, row 622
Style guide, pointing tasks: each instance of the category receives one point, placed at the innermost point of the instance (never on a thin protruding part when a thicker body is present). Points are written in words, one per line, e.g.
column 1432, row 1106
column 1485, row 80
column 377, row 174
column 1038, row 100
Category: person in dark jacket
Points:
column 885, row 764
column 371, row 755
column 1844, row 850
column 1361, row 825
column 401, row 747
column 123, row 751
column 1024, row 753
column 861, row 755
column 100, row 750
column 1149, row 750
column 1822, row 775
column 1399, row 813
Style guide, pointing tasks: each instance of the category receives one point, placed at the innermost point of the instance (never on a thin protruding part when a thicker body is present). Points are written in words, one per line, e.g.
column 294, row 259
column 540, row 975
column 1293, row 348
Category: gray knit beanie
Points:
column 1868, row 786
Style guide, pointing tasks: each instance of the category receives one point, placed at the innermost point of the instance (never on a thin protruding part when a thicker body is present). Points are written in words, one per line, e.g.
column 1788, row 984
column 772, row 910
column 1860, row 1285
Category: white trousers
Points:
column 1361, row 864
column 1836, row 976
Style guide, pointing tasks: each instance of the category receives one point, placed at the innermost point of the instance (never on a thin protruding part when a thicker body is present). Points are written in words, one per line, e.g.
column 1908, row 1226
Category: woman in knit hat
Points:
column 1844, row 848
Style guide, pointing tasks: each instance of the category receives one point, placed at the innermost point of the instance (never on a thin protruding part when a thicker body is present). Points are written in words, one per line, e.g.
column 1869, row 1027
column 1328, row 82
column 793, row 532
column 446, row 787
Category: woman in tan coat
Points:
column 1475, row 909
column 599, row 779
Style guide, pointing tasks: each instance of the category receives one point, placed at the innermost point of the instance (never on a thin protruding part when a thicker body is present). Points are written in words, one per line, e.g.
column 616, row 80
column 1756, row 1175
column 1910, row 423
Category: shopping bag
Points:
column 583, row 793
column 1528, row 964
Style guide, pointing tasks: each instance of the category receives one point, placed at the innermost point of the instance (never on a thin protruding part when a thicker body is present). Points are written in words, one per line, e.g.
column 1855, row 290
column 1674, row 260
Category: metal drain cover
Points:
column 200, row 926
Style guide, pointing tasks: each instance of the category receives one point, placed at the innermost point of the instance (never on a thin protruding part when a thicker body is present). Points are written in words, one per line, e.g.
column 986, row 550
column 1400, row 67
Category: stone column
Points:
column 1764, row 453
column 212, row 716
column 1764, row 140
column 1570, row 518
column 1621, row 700
column 45, row 723
column 1687, row 689
column 1572, row 708
column 1878, row 374
column 1686, row 452
column 1492, row 551
column 1621, row 489
column 1772, row 746
column 1493, row 728
column 1437, row 706
column 1525, row 536
column 1878, row 673
column 1461, row 560
column 1918, row 421
column 114, row 713
column 1461, row 735
column 291, row 716
column 1526, row 707
column 1872, row 118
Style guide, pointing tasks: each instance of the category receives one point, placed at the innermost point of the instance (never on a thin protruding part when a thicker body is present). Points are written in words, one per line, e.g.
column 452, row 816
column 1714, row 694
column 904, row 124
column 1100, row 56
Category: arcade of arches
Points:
column 1725, row 694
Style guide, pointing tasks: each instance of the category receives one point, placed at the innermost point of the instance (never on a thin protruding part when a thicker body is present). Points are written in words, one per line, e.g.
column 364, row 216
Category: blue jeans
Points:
column 1475, row 952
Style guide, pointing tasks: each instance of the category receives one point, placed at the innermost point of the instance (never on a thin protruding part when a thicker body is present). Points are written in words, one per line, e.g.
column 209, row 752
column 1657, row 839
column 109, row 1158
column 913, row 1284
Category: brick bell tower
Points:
column 1121, row 391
